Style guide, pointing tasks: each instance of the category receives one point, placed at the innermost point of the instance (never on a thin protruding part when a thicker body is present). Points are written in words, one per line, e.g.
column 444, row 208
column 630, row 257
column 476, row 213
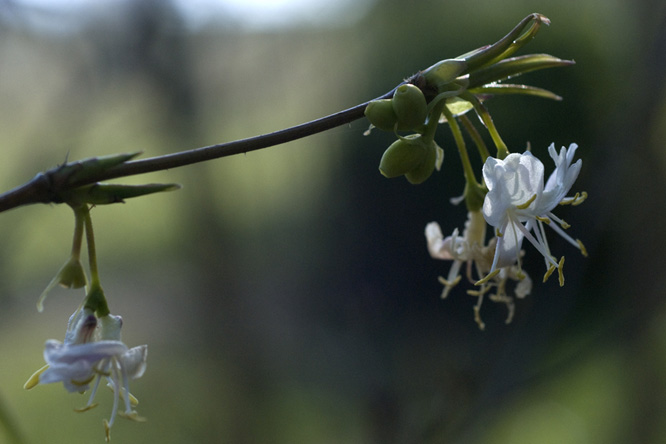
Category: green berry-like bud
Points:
column 403, row 155
column 422, row 171
column 410, row 106
column 380, row 113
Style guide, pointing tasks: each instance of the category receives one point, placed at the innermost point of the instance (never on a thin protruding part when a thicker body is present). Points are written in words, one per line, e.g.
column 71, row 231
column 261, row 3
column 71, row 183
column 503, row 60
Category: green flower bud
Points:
column 403, row 155
column 432, row 160
column 410, row 107
column 380, row 113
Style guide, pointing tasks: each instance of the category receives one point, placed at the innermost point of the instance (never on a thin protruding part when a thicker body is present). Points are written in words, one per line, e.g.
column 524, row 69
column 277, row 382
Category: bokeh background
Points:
column 287, row 295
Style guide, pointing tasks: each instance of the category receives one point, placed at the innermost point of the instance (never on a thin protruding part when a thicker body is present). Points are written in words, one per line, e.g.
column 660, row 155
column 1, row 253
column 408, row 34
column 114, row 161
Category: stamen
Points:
column 548, row 273
column 86, row 408
column 34, row 379
column 560, row 271
column 133, row 416
column 84, row 382
column 527, row 204
column 583, row 250
column 107, row 430
column 448, row 285
column 497, row 233
column 487, row 278
column 544, row 219
column 577, row 199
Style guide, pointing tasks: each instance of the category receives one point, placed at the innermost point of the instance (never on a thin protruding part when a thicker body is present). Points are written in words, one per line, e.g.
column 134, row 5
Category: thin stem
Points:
column 211, row 152
column 90, row 241
column 78, row 234
column 44, row 187
column 462, row 149
column 476, row 137
column 482, row 111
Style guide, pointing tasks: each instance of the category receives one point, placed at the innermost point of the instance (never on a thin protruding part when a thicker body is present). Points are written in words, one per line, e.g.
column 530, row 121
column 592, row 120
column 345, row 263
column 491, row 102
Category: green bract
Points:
column 410, row 106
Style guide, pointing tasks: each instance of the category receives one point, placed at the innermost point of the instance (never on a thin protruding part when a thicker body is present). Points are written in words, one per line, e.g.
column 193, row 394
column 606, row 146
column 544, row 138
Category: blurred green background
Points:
column 287, row 295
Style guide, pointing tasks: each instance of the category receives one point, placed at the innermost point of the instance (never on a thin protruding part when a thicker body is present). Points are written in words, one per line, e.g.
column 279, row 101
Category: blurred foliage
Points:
column 287, row 295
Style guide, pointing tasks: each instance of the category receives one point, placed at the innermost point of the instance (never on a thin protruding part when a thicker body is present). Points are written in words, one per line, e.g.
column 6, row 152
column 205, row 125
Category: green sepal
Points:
column 410, row 107
column 514, row 67
column 104, row 193
column 82, row 170
column 505, row 88
column 403, row 155
column 381, row 115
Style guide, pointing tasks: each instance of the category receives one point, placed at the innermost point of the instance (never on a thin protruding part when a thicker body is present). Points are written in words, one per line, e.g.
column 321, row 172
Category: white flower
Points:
column 518, row 205
column 93, row 350
column 470, row 249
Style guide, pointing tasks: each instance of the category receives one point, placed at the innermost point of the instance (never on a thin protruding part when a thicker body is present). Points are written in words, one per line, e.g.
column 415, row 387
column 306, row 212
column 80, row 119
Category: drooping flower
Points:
column 470, row 249
column 518, row 204
column 93, row 350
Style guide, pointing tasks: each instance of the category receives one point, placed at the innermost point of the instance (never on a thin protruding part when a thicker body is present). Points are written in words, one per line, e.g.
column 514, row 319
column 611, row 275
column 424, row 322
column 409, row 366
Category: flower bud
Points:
column 380, row 113
column 403, row 155
column 422, row 171
column 410, row 106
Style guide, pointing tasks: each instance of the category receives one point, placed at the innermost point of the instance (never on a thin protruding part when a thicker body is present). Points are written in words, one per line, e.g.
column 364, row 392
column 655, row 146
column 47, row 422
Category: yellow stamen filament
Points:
column 34, row 379
column 548, row 273
column 545, row 220
column 526, row 204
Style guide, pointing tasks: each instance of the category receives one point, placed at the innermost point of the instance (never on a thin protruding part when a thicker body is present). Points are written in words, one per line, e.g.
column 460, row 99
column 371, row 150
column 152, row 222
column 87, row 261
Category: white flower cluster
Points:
column 517, row 206
column 92, row 350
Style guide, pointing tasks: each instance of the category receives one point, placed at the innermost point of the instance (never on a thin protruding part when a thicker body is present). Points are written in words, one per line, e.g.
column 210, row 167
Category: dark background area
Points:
column 287, row 295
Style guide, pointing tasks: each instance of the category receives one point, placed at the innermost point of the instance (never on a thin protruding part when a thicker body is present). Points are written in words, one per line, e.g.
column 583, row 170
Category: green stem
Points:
column 78, row 234
column 90, row 240
column 462, row 148
column 482, row 111
column 474, row 192
column 95, row 299
column 476, row 137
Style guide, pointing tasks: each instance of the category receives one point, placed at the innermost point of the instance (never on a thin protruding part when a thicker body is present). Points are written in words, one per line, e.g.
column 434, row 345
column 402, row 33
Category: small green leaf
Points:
column 514, row 67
